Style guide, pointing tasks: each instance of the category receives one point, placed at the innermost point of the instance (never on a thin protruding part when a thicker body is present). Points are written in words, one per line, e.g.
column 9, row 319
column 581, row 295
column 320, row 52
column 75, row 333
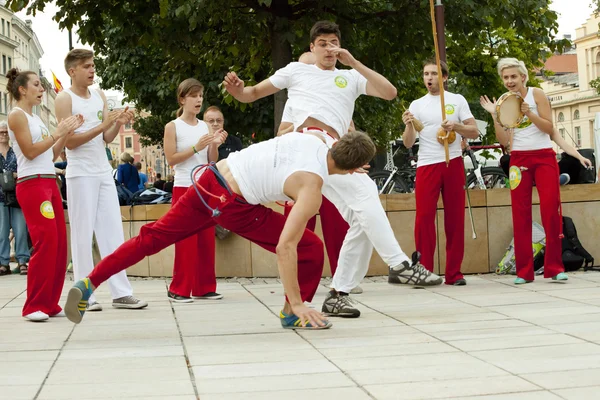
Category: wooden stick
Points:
column 440, row 77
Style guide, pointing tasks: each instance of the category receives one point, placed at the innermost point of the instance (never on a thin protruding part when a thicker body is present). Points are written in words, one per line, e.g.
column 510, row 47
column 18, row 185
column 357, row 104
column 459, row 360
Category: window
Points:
column 5, row 105
column 561, row 117
column 3, row 28
column 128, row 126
column 576, row 114
column 562, row 133
column 8, row 29
column 9, row 62
column 4, row 64
column 128, row 143
column 578, row 136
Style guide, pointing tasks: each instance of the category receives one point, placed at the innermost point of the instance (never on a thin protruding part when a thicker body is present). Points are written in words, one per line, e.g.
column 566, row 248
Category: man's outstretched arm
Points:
column 247, row 94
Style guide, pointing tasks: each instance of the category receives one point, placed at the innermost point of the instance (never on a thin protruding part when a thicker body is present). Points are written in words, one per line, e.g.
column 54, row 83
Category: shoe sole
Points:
column 95, row 308
column 340, row 315
column 312, row 328
column 71, row 308
column 181, row 301
column 130, row 306
column 207, row 298
column 417, row 284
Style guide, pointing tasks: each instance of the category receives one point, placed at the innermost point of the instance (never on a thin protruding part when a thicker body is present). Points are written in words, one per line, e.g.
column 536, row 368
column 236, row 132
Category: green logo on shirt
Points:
column 450, row 109
column 525, row 123
column 100, row 115
column 341, row 82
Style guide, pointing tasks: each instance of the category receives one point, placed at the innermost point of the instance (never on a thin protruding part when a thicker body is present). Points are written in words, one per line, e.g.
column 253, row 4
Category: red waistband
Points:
column 548, row 151
column 316, row 128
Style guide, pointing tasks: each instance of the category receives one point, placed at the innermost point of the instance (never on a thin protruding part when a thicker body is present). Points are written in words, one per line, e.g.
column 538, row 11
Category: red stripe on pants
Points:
column 189, row 216
column 334, row 228
column 48, row 263
column 450, row 181
column 194, row 265
column 541, row 167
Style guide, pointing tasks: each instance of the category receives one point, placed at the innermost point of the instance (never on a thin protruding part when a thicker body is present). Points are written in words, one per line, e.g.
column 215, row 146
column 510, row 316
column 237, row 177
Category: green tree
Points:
column 145, row 48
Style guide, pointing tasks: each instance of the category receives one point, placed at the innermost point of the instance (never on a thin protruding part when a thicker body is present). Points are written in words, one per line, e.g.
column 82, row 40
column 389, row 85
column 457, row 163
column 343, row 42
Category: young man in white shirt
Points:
column 321, row 99
column 433, row 176
column 93, row 203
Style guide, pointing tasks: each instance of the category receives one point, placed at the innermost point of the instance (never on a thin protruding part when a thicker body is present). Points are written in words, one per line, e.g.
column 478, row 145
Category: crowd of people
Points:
column 316, row 163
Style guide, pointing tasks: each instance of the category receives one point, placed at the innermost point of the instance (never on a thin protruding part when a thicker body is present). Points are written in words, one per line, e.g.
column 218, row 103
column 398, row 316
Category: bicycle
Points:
column 484, row 177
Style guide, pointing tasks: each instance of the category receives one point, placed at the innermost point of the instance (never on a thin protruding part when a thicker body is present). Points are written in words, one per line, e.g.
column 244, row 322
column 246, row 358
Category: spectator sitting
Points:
column 143, row 177
column 127, row 174
column 169, row 185
column 159, row 183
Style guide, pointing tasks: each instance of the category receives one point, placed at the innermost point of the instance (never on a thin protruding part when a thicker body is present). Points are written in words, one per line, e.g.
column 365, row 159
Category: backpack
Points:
column 574, row 256
column 150, row 196
column 508, row 263
column 124, row 194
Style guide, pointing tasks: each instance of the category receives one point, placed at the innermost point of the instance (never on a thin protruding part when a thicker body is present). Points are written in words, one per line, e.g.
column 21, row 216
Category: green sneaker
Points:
column 560, row 277
column 293, row 322
column 521, row 281
column 77, row 300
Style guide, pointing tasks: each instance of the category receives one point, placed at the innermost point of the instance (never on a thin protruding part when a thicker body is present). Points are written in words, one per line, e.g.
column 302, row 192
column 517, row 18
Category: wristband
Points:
column 194, row 148
column 53, row 139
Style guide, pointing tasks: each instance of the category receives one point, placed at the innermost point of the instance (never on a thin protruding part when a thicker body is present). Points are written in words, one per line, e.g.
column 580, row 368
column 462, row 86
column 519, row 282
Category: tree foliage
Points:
column 146, row 47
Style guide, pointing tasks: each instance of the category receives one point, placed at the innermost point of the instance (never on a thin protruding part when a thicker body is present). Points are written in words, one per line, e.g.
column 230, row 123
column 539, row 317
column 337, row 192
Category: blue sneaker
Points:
column 293, row 322
column 521, row 281
column 77, row 300
column 560, row 277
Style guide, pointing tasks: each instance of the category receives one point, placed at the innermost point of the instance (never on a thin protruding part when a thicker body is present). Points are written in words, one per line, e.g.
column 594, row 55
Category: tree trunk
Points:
column 281, row 50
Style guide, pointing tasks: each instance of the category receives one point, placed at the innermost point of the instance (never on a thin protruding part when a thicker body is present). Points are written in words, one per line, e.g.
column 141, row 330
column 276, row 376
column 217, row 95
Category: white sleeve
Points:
column 414, row 109
column 361, row 83
column 281, row 79
column 287, row 113
column 464, row 110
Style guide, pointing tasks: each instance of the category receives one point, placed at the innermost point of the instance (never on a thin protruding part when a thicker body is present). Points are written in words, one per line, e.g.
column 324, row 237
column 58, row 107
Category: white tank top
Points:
column 42, row 164
column 527, row 136
column 262, row 169
column 90, row 158
column 187, row 136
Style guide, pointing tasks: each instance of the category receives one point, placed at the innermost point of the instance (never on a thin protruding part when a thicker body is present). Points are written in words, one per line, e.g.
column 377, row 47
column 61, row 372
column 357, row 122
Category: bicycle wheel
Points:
column 493, row 177
column 395, row 185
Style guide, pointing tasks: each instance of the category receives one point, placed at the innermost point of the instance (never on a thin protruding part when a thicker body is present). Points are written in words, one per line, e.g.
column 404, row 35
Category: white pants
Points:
column 357, row 199
column 93, row 207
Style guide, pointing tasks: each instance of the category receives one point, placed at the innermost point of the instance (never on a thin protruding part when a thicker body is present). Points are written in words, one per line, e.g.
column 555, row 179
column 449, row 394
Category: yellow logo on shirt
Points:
column 341, row 82
column 525, row 123
column 47, row 210
column 515, row 176
column 45, row 132
column 100, row 115
column 450, row 109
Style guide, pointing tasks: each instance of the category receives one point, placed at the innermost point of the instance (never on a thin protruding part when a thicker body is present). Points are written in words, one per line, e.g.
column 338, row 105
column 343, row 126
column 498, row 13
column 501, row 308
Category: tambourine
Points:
column 508, row 110
column 441, row 135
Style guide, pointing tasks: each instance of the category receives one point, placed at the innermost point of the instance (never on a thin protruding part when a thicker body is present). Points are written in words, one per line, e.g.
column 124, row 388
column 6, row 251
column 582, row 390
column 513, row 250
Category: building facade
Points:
column 574, row 102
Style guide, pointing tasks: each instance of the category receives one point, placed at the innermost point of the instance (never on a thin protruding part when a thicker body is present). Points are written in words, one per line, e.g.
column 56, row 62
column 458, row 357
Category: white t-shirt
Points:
column 527, row 136
column 262, row 169
column 42, row 164
column 428, row 110
column 90, row 158
column 187, row 136
column 325, row 95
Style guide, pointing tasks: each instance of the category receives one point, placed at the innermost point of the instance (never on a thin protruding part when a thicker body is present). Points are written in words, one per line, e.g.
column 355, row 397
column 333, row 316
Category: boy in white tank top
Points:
column 532, row 159
column 293, row 167
column 434, row 176
column 93, row 204
column 321, row 99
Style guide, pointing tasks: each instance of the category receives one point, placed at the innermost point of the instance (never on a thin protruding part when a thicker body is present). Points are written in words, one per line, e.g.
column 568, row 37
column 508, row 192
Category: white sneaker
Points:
column 37, row 316
column 129, row 302
column 95, row 306
column 356, row 290
column 59, row 315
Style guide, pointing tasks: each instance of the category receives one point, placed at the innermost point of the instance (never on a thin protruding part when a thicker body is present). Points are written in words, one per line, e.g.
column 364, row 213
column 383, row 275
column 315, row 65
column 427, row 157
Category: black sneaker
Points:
column 338, row 304
column 415, row 274
column 178, row 299
column 460, row 282
column 208, row 296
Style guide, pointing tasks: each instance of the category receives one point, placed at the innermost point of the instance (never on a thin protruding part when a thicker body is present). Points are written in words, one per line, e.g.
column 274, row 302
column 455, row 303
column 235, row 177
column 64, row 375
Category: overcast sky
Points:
column 572, row 14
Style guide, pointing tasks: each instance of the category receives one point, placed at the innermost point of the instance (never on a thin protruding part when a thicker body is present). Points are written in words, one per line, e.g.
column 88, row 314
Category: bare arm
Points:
column 502, row 134
column 235, row 86
column 114, row 122
column 467, row 129
column 285, row 127
column 544, row 120
column 213, row 149
column 570, row 150
column 409, row 136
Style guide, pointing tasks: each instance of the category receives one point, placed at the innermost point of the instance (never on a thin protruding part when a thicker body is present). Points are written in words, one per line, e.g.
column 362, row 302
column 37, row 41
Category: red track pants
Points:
column 194, row 266
column 431, row 179
column 334, row 228
column 527, row 167
column 42, row 207
column 189, row 216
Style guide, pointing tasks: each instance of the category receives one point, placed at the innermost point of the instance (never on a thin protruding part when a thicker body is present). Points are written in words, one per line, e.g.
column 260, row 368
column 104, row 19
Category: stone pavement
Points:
column 488, row 340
